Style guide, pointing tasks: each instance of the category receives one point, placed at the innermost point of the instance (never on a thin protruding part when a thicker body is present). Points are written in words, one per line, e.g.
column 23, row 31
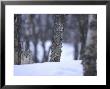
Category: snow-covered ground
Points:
column 67, row 66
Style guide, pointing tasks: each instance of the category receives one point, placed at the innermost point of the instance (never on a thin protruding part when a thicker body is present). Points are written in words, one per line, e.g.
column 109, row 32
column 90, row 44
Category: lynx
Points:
column 26, row 57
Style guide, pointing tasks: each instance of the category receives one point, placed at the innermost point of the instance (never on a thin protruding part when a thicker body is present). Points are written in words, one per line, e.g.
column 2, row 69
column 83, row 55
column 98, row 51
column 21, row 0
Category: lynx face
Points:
column 26, row 57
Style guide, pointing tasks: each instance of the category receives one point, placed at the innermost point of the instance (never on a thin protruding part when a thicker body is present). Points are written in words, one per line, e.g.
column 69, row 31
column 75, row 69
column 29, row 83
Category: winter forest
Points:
column 55, row 44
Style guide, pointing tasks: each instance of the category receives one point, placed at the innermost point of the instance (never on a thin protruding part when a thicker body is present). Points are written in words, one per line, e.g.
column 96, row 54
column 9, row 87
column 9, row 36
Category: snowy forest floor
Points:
column 66, row 67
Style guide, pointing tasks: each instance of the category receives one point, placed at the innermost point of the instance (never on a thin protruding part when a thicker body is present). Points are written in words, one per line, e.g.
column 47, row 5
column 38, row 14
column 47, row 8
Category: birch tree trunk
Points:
column 57, row 38
column 89, row 57
column 83, row 26
column 17, row 43
column 35, row 37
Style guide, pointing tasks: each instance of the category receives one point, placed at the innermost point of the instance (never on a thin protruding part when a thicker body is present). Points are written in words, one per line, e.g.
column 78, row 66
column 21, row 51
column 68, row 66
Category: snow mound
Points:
column 49, row 69
column 67, row 66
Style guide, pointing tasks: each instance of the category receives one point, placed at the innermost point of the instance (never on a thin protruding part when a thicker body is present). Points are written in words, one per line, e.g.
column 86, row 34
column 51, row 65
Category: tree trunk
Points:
column 90, row 55
column 35, row 59
column 35, row 37
column 76, row 51
column 45, row 57
column 83, row 24
column 57, row 38
column 17, row 43
column 27, row 45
